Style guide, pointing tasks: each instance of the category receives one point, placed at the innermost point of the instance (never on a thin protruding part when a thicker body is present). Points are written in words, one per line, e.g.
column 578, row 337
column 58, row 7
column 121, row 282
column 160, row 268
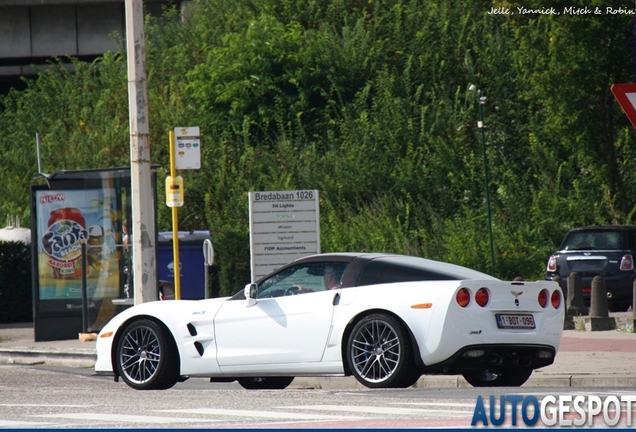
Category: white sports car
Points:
column 385, row 319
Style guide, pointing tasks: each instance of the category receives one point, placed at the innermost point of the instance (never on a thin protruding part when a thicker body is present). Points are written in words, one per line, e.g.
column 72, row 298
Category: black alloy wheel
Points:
column 147, row 356
column 379, row 353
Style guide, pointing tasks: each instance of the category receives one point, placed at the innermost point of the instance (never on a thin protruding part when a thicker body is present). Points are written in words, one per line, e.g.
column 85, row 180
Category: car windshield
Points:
column 595, row 240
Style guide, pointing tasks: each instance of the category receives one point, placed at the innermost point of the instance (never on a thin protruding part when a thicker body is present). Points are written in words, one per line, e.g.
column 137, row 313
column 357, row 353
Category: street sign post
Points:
column 284, row 226
column 187, row 148
column 185, row 153
column 625, row 94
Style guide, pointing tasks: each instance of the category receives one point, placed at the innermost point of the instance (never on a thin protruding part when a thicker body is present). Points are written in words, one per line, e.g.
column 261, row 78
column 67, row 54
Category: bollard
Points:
column 633, row 298
column 568, row 321
column 630, row 326
column 599, row 316
column 575, row 304
column 598, row 301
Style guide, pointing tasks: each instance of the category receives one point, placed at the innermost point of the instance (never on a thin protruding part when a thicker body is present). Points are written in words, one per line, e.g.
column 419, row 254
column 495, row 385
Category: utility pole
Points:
column 143, row 218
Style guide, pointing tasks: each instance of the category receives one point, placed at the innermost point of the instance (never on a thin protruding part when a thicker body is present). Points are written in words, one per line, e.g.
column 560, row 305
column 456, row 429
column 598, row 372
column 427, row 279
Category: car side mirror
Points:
column 251, row 290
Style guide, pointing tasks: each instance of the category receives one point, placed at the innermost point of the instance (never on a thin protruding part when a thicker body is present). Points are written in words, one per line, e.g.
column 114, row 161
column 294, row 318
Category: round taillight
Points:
column 555, row 299
column 463, row 297
column 482, row 297
column 543, row 298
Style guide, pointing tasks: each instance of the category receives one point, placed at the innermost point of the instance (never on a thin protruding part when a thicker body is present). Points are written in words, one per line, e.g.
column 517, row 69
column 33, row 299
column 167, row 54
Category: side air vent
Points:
column 192, row 330
column 199, row 348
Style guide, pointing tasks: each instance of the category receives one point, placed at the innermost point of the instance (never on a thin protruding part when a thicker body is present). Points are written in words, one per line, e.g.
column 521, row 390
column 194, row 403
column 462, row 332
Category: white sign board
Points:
column 187, row 148
column 284, row 226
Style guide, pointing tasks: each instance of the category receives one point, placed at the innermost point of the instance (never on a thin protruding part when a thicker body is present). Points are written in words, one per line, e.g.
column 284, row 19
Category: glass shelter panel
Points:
column 81, row 259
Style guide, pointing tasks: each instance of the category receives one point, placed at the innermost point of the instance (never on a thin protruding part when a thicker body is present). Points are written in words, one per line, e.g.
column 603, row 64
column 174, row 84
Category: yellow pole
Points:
column 175, row 228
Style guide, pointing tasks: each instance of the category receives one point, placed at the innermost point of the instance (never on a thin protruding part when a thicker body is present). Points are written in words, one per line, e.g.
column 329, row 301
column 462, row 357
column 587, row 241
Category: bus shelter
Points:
column 80, row 264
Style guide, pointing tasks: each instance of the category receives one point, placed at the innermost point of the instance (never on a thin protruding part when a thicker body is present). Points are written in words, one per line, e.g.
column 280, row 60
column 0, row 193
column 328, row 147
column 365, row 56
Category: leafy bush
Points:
column 16, row 304
column 367, row 102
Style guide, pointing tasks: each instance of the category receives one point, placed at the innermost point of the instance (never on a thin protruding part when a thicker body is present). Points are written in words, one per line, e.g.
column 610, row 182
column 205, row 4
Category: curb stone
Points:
column 27, row 356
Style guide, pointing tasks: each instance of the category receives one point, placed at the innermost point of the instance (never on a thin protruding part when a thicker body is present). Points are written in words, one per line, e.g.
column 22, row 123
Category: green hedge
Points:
column 16, row 304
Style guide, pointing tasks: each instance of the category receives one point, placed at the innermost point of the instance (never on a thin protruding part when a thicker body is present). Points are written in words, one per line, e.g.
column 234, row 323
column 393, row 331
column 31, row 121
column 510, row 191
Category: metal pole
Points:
column 37, row 142
column 84, row 290
column 143, row 226
column 175, row 228
column 480, row 125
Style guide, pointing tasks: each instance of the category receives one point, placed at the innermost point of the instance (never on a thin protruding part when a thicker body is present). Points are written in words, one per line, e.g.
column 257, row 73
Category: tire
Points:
column 379, row 353
column 147, row 356
column 507, row 378
column 265, row 383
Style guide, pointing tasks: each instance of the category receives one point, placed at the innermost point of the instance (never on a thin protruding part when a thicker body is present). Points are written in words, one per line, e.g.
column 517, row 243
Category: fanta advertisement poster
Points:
column 65, row 220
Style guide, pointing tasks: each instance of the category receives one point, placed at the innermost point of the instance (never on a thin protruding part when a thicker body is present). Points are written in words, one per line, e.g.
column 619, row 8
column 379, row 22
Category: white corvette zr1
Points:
column 385, row 319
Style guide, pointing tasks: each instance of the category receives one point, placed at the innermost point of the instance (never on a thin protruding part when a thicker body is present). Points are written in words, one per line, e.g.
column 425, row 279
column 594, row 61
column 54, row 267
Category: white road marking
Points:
column 124, row 418
column 439, row 404
column 261, row 414
column 430, row 410
column 380, row 410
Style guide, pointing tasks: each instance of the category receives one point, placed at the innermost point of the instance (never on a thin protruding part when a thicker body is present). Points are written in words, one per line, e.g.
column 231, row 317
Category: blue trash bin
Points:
column 192, row 274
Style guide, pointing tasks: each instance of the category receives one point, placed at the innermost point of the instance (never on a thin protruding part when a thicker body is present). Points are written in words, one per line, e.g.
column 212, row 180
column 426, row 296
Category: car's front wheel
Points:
column 380, row 353
column 265, row 383
column 506, row 378
column 147, row 357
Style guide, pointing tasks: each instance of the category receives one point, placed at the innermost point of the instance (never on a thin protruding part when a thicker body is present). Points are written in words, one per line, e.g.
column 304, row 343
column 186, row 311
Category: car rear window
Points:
column 380, row 272
column 596, row 240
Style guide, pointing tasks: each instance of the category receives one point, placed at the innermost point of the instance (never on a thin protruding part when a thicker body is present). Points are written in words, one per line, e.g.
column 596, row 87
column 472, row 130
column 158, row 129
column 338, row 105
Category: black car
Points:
column 607, row 251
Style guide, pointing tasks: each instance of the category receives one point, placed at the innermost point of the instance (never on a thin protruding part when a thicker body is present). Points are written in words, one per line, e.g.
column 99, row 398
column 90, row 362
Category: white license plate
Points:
column 515, row 321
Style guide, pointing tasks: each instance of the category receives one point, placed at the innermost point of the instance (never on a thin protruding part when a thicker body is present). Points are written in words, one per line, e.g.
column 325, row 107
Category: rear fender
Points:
column 355, row 319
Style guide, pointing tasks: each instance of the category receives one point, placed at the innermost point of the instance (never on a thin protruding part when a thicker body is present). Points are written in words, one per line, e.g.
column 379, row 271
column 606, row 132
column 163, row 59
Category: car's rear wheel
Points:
column 506, row 378
column 265, row 383
column 147, row 356
column 380, row 354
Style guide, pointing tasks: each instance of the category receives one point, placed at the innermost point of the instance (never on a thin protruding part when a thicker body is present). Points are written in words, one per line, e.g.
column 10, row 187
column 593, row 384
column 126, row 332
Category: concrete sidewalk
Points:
column 17, row 345
column 585, row 359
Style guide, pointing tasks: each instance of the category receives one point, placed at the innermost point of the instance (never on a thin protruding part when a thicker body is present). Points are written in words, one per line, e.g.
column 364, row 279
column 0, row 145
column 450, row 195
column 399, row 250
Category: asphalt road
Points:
column 62, row 397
